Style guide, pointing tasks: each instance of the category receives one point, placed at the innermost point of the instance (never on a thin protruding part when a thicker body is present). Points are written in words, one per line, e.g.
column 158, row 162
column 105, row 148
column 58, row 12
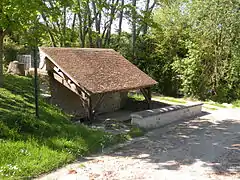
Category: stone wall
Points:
column 158, row 117
column 111, row 101
column 70, row 102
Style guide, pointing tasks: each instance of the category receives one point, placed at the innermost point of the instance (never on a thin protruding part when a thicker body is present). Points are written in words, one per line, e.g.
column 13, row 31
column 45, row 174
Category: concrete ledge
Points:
column 158, row 117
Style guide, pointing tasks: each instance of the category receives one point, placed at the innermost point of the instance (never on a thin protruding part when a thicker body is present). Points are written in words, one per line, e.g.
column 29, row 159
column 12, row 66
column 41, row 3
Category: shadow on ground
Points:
column 141, row 105
column 214, row 144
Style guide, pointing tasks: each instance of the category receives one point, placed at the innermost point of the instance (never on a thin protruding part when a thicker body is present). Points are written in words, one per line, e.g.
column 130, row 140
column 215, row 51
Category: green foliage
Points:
column 138, row 97
column 236, row 104
column 215, row 104
column 200, row 42
column 135, row 132
column 210, row 108
column 171, row 99
column 157, row 51
column 191, row 48
column 122, row 44
column 30, row 146
column 12, row 49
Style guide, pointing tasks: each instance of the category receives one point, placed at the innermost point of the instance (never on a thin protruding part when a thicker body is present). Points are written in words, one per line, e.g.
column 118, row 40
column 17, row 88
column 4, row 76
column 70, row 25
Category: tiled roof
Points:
column 98, row 70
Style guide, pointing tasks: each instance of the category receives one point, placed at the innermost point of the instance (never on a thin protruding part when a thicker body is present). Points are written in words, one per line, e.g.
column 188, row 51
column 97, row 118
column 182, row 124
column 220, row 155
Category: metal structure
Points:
column 26, row 59
column 36, row 82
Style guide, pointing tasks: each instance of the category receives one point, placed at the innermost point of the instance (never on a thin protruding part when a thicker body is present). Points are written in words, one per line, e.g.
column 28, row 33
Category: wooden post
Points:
column 90, row 109
column 98, row 103
column 147, row 95
column 36, row 81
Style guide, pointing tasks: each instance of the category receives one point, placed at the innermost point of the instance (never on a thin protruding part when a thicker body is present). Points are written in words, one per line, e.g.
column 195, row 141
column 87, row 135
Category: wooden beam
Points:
column 63, row 78
column 147, row 95
column 68, row 85
column 64, row 82
column 98, row 103
column 90, row 109
column 53, row 64
column 69, row 81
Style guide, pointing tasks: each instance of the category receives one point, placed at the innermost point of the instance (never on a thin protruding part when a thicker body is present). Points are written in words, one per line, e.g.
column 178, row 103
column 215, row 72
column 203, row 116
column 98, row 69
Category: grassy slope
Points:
column 30, row 146
column 139, row 97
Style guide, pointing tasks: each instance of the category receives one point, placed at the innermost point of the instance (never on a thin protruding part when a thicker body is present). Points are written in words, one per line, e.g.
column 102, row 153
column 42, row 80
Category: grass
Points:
column 140, row 97
column 236, row 104
column 135, row 132
column 210, row 108
column 171, row 99
column 215, row 104
column 137, row 97
column 30, row 146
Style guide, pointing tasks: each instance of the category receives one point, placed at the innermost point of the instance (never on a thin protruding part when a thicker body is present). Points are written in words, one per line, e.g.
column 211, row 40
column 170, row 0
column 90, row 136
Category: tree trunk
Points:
column 49, row 31
column 81, row 31
column 112, row 15
column 133, row 29
column 97, row 18
column 64, row 25
column 73, row 28
column 120, row 20
column 82, row 18
column 1, row 57
column 146, row 14
column 59, row 27
column 89, row 26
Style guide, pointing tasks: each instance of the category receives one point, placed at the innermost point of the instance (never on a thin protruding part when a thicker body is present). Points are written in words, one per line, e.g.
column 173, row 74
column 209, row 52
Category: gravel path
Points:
column 199, row 149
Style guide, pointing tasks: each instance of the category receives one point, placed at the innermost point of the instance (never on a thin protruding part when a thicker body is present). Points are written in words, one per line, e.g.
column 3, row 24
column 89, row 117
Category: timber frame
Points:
column 55, row 72
column 59, row 61
column 58, row 74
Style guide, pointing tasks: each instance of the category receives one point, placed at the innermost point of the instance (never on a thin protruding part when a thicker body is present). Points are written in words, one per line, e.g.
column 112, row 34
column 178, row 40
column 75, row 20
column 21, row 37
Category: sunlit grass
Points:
column 215, row 104
column 138, row 97
column 171, row 99
column 31, row 146
column 210, row 108
column 236, row 104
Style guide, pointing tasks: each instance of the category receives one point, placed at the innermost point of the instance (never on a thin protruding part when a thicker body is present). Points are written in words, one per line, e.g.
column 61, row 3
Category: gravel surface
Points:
column 199, row 149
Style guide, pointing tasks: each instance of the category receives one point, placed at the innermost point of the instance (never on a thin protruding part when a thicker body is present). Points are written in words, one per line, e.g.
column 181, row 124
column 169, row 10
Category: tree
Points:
column 213, row 45
column 201, row 43
column 15, row 15
column 134, row 19
column 164, row 46
column 120, row 19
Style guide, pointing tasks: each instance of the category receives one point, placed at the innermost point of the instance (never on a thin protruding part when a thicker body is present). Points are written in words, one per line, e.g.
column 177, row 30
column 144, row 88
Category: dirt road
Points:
column 200, row 149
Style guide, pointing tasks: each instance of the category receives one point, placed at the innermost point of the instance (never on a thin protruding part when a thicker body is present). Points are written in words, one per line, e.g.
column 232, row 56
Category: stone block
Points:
column 158, row 117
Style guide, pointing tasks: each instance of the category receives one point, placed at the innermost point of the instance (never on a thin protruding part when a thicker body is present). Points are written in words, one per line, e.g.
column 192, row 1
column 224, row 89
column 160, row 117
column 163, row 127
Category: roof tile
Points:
column 99, row 70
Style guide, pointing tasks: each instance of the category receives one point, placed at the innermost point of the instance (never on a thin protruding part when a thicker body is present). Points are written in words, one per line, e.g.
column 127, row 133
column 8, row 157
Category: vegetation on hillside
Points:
column 190, row 47
column 30, row 146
